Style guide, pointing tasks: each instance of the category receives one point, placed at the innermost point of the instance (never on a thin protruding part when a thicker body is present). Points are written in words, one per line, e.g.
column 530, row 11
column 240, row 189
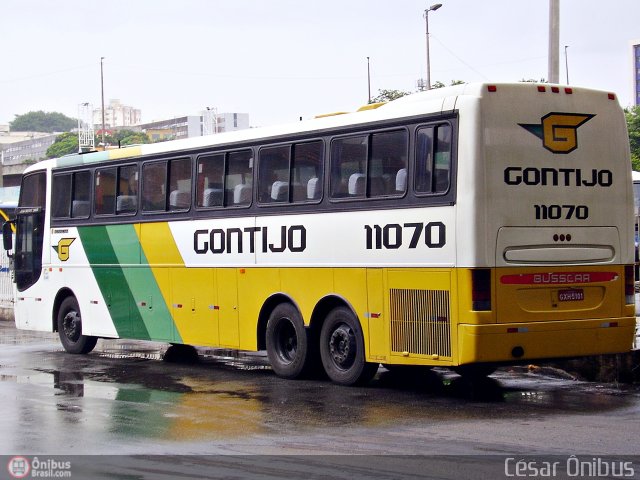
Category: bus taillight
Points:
column 629, row 285
column 481, row 290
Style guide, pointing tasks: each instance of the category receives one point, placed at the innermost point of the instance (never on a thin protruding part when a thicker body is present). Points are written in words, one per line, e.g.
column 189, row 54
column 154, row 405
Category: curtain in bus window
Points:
column 387, row 164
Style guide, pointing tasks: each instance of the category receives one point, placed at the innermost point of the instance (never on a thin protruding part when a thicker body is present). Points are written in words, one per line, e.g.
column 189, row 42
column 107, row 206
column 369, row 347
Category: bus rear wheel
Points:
column 70, row 328
column 287, row 343
column 342, row 349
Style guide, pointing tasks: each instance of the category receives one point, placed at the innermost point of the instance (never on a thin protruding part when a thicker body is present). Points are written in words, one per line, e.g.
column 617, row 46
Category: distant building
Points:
column 635, row 50
column 193, row 126
column 173, row 128
column 116, row 115
column 19, row 149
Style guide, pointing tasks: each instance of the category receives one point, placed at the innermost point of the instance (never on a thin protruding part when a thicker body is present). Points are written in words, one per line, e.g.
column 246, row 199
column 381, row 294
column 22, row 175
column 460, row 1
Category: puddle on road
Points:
column 125, row 388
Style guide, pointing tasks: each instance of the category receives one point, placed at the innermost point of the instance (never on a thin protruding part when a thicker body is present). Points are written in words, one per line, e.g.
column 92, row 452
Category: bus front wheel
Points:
column 70, row 328
column 287, row 345
column 342, row 349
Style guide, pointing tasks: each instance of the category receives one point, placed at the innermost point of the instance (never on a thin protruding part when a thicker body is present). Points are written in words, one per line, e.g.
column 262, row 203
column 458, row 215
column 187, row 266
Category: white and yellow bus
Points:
column 463, row 227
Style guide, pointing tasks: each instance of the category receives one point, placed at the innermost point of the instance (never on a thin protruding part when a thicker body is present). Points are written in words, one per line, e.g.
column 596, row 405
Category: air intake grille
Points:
column 420, row 322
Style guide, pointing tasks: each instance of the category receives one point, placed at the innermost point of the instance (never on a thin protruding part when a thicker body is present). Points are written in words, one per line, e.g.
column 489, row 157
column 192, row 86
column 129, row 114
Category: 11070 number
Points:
column 561, row 212
column 393, row 235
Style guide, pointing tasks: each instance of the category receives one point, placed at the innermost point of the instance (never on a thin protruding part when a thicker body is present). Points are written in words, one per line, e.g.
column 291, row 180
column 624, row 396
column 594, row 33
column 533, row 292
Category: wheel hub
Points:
column 342, row 346
column 71, row 325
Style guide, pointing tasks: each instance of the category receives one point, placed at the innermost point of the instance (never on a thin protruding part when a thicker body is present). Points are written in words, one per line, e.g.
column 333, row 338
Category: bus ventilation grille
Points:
column 420, row 322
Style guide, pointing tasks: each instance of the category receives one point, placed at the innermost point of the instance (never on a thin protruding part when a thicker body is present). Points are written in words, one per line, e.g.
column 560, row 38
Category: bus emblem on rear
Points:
column 62, row 249
column 559, row 131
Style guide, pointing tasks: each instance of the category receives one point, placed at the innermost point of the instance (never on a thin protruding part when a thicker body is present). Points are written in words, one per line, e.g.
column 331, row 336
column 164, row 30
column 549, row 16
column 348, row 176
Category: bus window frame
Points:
column 368, row 134
column 292, row 147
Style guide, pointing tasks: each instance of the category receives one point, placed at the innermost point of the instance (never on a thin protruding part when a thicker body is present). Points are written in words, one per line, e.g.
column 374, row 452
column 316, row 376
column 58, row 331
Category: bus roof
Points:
column 428, row 102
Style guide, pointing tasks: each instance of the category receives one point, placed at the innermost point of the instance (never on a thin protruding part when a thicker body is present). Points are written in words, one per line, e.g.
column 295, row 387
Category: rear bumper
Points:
column 539, row 340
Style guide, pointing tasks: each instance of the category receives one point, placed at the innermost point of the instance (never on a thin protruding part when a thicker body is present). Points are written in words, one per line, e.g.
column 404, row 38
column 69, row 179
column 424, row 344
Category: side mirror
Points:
column 7, row 235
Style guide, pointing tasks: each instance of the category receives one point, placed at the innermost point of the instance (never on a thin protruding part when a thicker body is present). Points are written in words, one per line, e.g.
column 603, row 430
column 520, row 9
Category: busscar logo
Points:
column 559, row 131
column 62, row 249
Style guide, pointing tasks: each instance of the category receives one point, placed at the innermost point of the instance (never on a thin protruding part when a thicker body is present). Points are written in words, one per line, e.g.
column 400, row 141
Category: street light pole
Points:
column 369, row 79
column 432, row 8
column 104, row 146
column 566, row 62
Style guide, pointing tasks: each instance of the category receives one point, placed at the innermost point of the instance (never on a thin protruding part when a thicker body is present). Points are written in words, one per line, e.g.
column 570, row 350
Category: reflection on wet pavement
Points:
column 126, row 391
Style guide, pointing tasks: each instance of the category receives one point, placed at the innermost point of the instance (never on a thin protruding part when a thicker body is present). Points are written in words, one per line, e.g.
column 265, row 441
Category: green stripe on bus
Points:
column 149, row 302
column 127, row 284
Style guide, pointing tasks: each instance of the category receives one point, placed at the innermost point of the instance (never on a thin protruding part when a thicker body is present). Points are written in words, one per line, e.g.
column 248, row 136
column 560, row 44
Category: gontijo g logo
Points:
column 62, row 249
column 559, row 131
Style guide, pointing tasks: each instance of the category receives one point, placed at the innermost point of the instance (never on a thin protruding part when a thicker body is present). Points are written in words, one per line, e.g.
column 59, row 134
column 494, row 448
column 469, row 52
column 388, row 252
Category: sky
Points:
column 279, row 60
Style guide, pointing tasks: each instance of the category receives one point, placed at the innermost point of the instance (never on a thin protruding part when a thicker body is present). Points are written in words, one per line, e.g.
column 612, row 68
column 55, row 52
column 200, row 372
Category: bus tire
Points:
column 287, row 342
column 70, row 328
column 342, row 349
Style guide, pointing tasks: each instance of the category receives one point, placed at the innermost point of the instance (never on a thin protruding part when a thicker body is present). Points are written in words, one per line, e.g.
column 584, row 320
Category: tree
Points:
column 632, row 115
column 388, row 95
column 65, row 144
column 40, row 121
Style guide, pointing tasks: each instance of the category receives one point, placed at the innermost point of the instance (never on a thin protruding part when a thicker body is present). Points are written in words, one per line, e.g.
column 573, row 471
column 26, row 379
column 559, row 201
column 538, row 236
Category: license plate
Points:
column 573, row 295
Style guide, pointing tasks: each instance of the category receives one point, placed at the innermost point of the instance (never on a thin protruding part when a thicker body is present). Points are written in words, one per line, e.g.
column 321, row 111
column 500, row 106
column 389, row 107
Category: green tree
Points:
column 632, row 115
column 65, row 144
column 388, row 95
column 40, row 121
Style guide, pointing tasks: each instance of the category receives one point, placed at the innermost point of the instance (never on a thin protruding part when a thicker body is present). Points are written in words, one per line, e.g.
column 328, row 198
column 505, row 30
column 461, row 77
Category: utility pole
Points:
column 369, row 79
column 104, row 145
column 554, row 41
column 432, row 8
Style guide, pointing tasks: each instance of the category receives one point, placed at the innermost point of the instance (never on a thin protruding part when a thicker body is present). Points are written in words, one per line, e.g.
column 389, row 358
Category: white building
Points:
column 116, row 115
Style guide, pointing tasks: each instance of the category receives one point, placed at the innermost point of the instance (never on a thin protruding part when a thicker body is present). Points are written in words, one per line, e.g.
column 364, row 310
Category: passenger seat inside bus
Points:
column 242, row 194
column 126, row 203
column 401, row 180
column 356, row 185
column 279, row 191
column 179, row 199
column 313, row 189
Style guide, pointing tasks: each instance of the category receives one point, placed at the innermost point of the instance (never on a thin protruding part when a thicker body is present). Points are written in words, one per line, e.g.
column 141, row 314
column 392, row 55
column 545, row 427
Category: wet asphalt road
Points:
column 125, row 399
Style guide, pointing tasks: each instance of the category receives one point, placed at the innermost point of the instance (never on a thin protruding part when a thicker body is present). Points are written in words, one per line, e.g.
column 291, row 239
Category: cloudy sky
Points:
column 279, row 60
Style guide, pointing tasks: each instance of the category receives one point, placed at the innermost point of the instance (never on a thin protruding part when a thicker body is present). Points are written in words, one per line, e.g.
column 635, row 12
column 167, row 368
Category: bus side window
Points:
column 71, row 195
column 105, row 191
column 273, row 174
column 238, row 182
column 442, row 157
column 180, row 184
column 61, row 196
column 389, row 152
column 433, row 159
column 307, row 171
column 154, row 193
column 210, row 181
column 348, row 167
column 127, row 199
